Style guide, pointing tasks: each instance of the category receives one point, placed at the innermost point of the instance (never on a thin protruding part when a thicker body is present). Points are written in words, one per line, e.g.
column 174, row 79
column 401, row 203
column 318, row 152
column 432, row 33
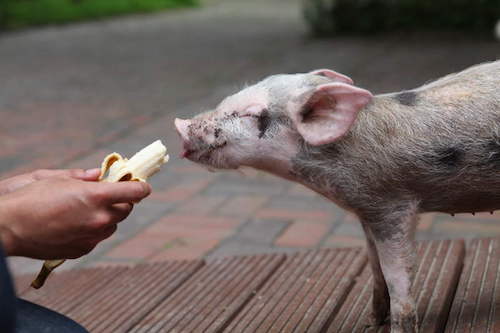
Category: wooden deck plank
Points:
column 246, row 316
column 22, row 283
column 314, row 291
column 182, row 301
column 303, row 294
column 125, row 289
column 441, row 287
column 304, row 299
column 349, row 319
column 212, row 297
column 327, row 305
column 142, row 290
column 220, row 283
column 359, row 299
column 64, row 291
column 476, row 306
column 96, row 297
column 287, row 304
column 439, row 265
column 214, row 321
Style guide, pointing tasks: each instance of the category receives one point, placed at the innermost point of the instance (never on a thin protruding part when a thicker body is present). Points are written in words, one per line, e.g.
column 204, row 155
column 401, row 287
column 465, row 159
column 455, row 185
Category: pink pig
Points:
column 385, row 158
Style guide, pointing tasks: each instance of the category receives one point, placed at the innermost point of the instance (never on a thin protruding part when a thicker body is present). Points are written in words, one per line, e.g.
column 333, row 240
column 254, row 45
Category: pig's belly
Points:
column 465, row 201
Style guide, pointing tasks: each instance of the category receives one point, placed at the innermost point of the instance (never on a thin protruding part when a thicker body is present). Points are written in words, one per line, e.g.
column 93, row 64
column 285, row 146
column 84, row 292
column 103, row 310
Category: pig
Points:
column 385, row 158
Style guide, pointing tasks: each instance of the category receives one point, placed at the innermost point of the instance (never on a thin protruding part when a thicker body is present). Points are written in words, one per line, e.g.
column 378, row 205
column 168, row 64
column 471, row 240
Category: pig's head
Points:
column 264, row 125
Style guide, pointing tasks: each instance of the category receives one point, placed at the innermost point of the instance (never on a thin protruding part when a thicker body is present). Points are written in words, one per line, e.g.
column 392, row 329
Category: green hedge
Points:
column 368, row 16
column 21, row 13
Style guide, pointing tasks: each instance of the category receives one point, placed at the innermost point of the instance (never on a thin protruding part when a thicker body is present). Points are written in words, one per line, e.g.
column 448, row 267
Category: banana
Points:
column 140, row 167
column 115, row 168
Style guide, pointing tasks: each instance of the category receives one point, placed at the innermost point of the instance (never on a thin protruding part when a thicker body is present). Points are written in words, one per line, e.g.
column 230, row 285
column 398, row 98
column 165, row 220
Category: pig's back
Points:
column 439, row 143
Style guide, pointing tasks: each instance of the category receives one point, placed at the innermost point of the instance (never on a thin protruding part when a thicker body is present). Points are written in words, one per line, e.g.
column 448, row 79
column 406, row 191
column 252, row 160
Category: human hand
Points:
column 64, row 218
column 13, row 183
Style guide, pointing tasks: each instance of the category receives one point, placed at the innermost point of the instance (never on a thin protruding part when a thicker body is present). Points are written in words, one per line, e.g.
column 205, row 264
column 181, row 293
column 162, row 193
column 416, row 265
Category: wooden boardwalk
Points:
column 457, row 289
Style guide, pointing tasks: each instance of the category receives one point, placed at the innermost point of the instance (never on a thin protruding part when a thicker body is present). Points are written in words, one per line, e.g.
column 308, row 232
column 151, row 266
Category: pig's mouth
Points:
column 186, row 152
column 202, row 153
column 197, row 150
column 208, row 155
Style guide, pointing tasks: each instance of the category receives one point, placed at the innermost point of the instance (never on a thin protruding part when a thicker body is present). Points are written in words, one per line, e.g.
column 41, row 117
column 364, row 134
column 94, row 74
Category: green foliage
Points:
column 21, row 13
column 368, row 16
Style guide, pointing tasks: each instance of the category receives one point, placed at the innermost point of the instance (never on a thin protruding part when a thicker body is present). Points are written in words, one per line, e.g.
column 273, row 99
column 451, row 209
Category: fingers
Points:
column 88, row 175
column 107, row 232
column 45, row 173
column 119, row 212
column 122, row 192
column 89, row 240
column 91, row 174
column 88, row 245
column 106, row 217
column 14, row 183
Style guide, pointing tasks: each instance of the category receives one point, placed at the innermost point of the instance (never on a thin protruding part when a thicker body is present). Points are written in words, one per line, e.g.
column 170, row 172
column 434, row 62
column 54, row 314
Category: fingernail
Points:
column 92, row 172
column 147, row 188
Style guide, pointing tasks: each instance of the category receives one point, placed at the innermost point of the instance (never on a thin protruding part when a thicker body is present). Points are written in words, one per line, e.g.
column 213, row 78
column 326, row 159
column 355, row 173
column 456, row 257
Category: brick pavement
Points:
column 71, row 95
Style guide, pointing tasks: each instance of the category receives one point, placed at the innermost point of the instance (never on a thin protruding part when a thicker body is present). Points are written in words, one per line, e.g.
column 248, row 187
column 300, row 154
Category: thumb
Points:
column 123, row 192
column 91, row 174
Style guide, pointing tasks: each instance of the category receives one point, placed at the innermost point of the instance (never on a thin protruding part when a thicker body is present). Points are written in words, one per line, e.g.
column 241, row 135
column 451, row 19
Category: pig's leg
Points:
column 394, row 240
column 380, row 299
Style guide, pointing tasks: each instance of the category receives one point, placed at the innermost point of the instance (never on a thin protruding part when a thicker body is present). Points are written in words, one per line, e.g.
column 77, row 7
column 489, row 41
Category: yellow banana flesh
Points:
column 115, row 168
column 140, row 167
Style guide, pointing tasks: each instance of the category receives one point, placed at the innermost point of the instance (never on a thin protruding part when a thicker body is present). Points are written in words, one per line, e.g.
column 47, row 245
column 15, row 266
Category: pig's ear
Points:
column 333, row 75
column 329, row 112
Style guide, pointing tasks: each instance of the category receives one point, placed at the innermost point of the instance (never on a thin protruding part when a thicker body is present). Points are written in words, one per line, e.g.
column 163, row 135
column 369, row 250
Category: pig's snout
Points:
column 182, row 127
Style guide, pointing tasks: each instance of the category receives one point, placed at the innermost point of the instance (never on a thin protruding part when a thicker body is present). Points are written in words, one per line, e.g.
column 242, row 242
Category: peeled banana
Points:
column 115, row 168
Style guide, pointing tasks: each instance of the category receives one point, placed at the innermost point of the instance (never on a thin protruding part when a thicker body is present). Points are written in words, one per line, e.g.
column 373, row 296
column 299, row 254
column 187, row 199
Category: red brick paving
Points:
column 350, row 218
column 305, row 234
column 179, row 193
column 202, row 205
column 426, row 221
column 243, row 205
column 193, row 220
column 176, row 237
column 467, row 228
column 284, row 213
column 298, row 189
column 186, row 251
column 92, row 160
column 344, row 241
column 142, row 246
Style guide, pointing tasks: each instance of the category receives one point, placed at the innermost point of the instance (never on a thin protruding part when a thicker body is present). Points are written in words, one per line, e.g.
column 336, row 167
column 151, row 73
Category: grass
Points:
column 23, row 13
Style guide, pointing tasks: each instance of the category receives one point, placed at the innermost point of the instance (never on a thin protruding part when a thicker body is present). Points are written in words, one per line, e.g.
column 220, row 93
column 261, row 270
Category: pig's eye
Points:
column 264, row 120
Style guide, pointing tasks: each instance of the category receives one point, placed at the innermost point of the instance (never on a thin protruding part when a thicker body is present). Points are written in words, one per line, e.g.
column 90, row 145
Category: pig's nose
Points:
column 182, row 126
